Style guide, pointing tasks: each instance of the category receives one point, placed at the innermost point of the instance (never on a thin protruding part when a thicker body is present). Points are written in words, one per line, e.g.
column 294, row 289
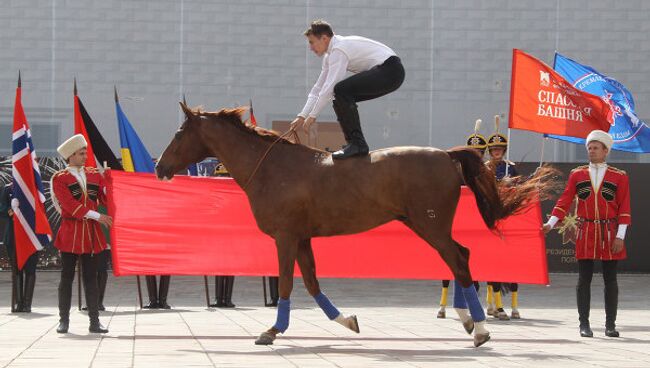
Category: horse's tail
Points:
column 497, row 201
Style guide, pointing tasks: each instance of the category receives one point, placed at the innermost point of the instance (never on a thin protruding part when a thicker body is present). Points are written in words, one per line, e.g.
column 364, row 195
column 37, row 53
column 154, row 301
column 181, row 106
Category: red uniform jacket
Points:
column 78, row 234
column 600, row 211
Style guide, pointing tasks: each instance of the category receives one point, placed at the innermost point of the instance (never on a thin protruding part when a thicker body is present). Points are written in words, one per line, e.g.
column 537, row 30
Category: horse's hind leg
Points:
column 465, row 296
column 287, row 247
column 457, row 258
column 307, row 266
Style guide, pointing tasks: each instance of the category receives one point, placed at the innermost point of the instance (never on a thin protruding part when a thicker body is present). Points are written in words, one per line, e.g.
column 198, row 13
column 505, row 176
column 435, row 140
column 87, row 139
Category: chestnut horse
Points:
column 297, row 193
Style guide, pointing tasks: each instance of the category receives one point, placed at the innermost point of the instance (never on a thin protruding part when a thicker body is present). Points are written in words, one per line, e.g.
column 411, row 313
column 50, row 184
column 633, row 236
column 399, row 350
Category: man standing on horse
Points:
column 603, row 217
column 377, row 72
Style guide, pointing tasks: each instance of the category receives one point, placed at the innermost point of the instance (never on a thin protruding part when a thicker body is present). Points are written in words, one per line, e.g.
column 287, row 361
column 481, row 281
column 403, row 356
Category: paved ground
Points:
column 397, row 320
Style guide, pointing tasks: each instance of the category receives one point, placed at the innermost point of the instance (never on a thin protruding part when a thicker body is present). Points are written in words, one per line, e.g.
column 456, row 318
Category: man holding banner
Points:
column 76, row 193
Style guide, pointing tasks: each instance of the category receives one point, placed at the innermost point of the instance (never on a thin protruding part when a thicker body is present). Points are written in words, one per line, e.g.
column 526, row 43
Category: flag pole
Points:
column 508, row 152
column 541, row 157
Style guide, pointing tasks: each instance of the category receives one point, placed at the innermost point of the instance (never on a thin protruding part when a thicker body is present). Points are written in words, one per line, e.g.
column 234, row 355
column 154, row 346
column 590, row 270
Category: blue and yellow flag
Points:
column 134, row 155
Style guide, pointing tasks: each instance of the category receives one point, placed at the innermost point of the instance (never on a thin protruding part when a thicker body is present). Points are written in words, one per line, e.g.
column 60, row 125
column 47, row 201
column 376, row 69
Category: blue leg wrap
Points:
column 475, row 307
column 459, row 297
column 330, row 310
column 282, row 321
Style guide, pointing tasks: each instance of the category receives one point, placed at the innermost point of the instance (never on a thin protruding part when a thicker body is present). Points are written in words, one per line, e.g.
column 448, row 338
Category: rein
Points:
column 289, row 133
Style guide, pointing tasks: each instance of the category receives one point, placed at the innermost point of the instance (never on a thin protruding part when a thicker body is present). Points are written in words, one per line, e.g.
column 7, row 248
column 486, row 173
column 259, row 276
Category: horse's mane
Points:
column 234, row 116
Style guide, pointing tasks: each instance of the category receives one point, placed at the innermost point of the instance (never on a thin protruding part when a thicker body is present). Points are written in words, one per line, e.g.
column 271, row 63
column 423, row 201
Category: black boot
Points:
column 348, row 116
column 64, row 324
column 16, row 291
column 583, row 293
column 227, row 292
column 20, row 295
column 96, row 326
column 611, row 309
column 102, row 278
column 30, row 282
column 163, row 291
column 219, row 287
column 152, row 290
column 273, row 291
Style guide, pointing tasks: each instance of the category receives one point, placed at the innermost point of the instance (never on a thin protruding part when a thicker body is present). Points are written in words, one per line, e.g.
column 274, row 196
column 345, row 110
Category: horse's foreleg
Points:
column 307, row 266
column 287, row 249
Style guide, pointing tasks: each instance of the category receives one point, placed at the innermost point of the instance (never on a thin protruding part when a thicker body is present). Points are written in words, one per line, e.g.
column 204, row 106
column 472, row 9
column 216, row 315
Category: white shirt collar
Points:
column 601, row 165
column 334, row 40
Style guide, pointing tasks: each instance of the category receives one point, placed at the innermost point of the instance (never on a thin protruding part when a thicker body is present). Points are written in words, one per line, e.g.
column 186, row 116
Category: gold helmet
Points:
column 476, row 140
column 497, row 139
column 220, row 169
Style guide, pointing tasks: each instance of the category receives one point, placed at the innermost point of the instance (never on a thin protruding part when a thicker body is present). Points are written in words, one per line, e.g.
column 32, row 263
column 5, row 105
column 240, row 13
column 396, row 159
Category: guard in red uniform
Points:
column 603, row 216
column 76, row 193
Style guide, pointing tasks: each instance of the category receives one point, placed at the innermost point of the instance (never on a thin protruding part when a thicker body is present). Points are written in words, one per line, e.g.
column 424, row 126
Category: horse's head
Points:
column 186, row 147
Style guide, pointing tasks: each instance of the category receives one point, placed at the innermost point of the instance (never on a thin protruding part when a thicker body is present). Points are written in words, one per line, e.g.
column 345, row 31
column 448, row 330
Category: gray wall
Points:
column 221, row 53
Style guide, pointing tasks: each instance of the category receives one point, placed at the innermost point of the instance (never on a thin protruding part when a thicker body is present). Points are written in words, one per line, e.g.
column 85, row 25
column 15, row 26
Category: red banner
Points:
column 204, row 226
column 542, row 101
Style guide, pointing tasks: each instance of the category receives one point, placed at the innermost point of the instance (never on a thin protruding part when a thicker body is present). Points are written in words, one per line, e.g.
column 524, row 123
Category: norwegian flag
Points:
column 31, row 228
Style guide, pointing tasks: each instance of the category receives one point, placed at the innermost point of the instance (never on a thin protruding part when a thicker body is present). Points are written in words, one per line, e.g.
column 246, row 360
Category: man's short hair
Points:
column 319, row 28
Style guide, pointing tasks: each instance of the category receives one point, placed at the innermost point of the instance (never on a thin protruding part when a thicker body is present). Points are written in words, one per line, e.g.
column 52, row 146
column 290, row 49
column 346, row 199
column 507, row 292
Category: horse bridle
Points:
column 289, row 133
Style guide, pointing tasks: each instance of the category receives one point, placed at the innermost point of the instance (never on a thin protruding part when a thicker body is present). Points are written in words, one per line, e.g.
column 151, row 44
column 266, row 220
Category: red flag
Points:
column 80, row 128
column 31, row 227
column 542, row 101
column 253, row 121
column 219, row 236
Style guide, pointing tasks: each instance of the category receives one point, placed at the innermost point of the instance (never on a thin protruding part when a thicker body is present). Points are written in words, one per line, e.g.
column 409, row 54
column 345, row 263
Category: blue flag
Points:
column 134, row 155
column 629, row 132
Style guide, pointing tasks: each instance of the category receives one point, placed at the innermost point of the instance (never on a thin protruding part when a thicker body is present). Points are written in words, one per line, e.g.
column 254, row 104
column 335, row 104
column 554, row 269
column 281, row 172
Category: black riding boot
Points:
column 348, row 116
column 30, row 282
column 611, row 308
column 102, row 277
column 163, row 291
column 96, row 327
column 227, row 291
column 584, row 300
column 218, row 286
column 18, row 290
column 152, row 290
column 273, row 291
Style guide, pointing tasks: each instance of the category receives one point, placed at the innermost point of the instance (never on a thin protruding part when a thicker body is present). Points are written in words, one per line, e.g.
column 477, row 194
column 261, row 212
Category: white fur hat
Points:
column 602, row 137
column 72, row 145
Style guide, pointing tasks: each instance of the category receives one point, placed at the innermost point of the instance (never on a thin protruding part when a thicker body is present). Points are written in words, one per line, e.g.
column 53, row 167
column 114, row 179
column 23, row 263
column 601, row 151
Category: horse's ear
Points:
column 188, row 112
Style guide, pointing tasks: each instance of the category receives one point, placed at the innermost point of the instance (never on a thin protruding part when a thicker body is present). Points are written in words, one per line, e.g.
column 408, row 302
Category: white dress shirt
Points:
column 596, row 174
column 344, row 53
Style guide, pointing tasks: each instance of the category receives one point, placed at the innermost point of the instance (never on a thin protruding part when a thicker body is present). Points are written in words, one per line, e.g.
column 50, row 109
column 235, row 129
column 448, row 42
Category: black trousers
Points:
column 89, row 276
column 583, row 290
column 496, row 286
column 376, row 82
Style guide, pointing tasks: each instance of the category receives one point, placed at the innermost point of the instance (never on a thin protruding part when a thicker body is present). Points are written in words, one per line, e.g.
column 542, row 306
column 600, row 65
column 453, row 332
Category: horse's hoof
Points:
column 442, row 314
column 265, row 338
column 469, row 326
column 353, row 324
column 480, row 339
